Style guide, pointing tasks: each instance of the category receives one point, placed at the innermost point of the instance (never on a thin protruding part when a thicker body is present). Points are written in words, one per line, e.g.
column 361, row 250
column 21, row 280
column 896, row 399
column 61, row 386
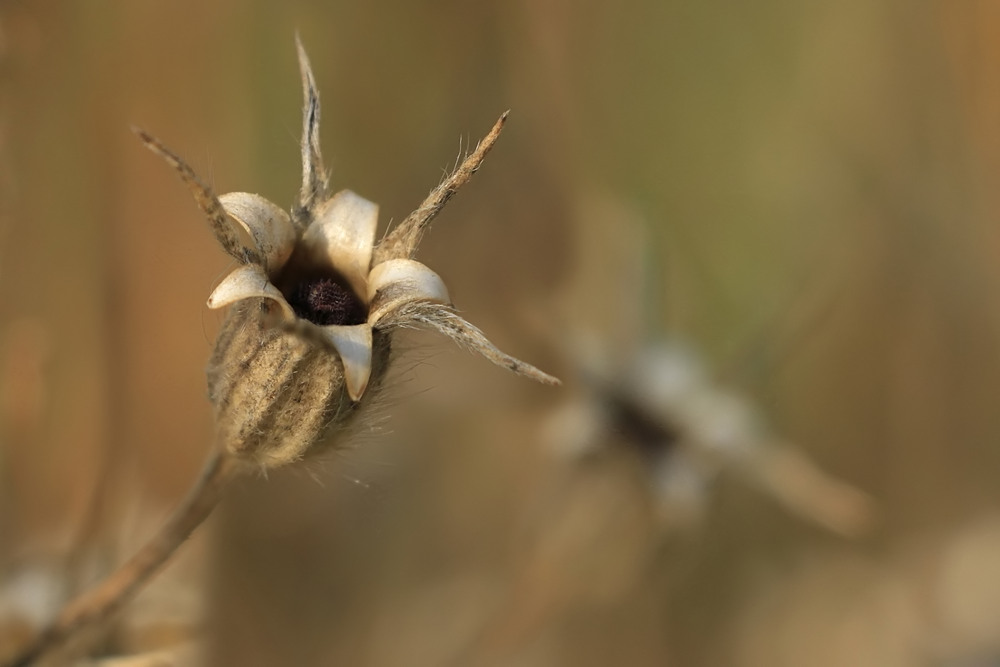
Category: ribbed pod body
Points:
column 278, row 394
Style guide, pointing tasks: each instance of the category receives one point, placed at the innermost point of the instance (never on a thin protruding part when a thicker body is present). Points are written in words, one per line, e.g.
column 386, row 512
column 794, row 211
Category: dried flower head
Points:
column 665, row 407
column 657, row 402
column 314, row 301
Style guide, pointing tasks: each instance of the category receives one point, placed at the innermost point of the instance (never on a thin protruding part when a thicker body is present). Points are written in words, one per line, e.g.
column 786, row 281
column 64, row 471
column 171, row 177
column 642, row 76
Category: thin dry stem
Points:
column 803, row 488
column 223, row 228
column 402, row 242
column 95, row 607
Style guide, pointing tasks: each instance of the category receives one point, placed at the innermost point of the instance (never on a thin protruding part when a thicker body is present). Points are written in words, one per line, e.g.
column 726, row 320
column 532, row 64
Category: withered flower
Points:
column 312, row 308
column 315, row 300
column 663, row 405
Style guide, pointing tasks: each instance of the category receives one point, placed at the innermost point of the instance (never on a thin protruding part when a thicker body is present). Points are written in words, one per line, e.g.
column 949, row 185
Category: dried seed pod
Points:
column 277, row 392
column 314, row 302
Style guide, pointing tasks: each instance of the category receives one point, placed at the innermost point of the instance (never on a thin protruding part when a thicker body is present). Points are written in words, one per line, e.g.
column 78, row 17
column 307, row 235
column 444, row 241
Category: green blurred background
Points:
column 805, row 190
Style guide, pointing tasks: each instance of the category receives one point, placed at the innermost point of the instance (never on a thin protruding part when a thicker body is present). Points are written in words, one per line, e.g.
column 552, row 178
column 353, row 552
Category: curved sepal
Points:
column 397, row 282
column 342, row 236
column 442, row 318
column 248, row 282
column 268, row 226
column 354, row 346
column 225, row 231
column 313, row 173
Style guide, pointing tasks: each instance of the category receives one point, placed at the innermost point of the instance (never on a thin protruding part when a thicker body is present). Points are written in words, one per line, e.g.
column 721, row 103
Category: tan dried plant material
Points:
column 314, row 301
column 657, row 402
column 312, row 308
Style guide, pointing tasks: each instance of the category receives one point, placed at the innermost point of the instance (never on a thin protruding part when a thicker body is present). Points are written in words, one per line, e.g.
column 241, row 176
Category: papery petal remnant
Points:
column 248, row 282
column 342, row 235
column 269, row 226
column 394, row 283
column 354, row 345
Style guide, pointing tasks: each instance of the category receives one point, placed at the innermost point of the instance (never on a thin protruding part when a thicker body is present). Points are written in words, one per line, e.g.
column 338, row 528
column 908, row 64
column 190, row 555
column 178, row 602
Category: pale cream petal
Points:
column 268, row 225
column 247, row 282
column 342, row 236
column 354, row 345
column 397, row 282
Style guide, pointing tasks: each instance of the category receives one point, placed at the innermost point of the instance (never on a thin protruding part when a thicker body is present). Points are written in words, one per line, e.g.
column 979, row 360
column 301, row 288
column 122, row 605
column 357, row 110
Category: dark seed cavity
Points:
column 324, row 301
column 646, row 435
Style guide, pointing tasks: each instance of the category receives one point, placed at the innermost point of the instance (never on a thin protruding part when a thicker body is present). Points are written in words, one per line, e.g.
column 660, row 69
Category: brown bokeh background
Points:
column 813, row 187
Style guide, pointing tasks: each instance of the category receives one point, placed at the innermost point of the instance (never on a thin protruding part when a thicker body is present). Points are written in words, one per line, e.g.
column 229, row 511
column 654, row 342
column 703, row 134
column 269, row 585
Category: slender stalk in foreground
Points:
column 95, row 607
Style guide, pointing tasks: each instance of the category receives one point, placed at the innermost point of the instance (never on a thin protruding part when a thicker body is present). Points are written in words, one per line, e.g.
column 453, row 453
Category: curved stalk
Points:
column 96, row 606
